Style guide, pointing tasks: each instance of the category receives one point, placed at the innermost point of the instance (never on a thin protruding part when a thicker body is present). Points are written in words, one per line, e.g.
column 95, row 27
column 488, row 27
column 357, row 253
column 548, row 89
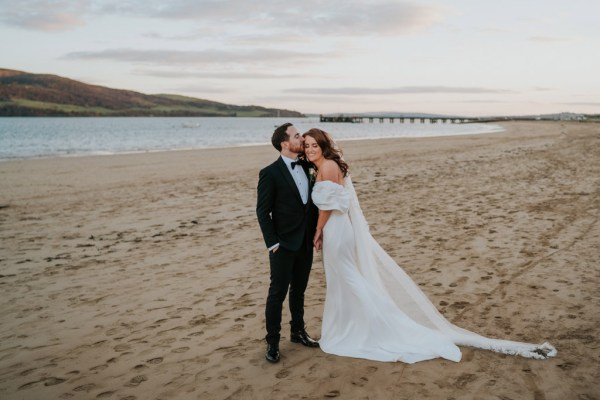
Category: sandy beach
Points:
column 144, row 276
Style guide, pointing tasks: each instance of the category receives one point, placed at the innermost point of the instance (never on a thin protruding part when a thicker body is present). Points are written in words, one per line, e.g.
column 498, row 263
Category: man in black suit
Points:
column 287, row 219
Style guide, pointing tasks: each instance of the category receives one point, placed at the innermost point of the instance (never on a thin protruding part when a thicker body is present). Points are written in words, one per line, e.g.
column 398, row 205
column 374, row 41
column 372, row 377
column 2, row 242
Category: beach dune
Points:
column 144, row 276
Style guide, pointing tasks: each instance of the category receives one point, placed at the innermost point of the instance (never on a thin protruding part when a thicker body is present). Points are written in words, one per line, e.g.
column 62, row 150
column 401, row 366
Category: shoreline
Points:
column 493, row 128
column 145, row 275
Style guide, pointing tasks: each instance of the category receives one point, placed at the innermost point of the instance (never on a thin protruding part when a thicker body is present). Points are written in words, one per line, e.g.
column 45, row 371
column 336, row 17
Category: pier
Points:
column 409, row 118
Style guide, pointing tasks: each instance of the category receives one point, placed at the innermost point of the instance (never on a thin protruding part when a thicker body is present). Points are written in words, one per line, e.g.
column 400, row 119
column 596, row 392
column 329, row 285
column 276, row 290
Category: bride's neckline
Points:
column 331, row 182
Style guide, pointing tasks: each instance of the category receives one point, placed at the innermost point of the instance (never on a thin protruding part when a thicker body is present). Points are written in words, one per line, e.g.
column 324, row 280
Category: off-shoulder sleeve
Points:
column 329, row 195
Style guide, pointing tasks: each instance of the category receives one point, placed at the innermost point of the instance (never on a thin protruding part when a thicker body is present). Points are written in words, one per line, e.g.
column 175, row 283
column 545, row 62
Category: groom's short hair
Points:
column 280, row 135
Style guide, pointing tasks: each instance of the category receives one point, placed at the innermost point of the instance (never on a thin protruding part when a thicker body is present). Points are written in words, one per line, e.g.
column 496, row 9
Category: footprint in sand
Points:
column 464, row 379
column 197, row 320
column 122, row 347
column 177, row 328
column 234, row 370
column 84, row 388
column 28, row 385
column 99, row 367
column 53, row 381
column 167, row 341
column 27, row 372
column 136, row 380
column 254, row 285
column 180, row 350
column 105, row 395
column 362, row 381
column 282, row 374
column 460, row 304
column 565, row 366
column 156, row 360
column 232, row 353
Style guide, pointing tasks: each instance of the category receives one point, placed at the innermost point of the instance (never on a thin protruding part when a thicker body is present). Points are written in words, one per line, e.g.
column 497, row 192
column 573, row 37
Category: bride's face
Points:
column 312, row 150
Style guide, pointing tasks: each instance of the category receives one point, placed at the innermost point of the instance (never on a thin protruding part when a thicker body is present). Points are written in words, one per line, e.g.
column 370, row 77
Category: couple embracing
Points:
column 373, row 309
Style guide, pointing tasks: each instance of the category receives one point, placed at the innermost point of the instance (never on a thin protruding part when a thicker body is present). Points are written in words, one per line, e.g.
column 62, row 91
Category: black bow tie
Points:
column 299, row 162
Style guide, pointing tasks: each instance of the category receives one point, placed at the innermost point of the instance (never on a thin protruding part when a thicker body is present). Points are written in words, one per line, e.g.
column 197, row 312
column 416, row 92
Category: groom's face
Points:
column 295, row 140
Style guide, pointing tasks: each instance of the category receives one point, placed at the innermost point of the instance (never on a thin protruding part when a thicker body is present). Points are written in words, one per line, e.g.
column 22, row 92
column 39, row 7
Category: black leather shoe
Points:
column 272, row 354
column 303, row 338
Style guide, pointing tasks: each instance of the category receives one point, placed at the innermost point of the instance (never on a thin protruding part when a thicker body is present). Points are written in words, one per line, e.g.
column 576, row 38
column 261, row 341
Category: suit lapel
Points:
column 311, row 183
column 307, row 172
column 288, row 177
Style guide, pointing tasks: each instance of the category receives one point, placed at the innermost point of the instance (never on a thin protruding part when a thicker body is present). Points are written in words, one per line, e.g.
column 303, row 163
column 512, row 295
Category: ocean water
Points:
column 56, row 137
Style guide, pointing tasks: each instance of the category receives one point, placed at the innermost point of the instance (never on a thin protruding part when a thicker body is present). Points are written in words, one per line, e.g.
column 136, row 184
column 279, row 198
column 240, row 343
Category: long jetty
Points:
column 357, row 118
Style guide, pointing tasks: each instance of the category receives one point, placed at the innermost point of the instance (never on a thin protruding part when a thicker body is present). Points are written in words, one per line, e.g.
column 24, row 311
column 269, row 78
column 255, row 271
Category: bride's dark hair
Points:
column 328, row 147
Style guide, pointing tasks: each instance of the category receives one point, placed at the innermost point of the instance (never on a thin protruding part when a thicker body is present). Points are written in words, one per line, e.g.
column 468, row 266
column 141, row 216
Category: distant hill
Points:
column 27, row 95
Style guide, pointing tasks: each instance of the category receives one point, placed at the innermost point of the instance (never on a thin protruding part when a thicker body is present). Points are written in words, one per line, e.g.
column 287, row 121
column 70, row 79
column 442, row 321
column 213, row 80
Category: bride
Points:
column 373, row 310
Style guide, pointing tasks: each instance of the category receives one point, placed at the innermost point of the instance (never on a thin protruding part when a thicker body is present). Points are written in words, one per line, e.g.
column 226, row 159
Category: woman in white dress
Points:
column 373, row 310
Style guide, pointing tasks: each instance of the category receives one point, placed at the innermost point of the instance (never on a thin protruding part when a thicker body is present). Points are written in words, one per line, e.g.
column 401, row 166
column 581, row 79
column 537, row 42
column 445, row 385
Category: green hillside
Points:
column 25, row 94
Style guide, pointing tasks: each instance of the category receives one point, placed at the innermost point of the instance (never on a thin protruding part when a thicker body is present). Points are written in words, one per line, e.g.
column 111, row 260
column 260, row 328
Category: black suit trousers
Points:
column 289, row 269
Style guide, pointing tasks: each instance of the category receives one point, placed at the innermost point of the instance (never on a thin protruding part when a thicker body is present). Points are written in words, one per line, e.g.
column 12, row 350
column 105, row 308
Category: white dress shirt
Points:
column 299, row 177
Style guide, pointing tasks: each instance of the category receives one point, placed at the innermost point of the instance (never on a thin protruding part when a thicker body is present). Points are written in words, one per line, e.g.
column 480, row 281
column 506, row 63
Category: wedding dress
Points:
column 373, row 309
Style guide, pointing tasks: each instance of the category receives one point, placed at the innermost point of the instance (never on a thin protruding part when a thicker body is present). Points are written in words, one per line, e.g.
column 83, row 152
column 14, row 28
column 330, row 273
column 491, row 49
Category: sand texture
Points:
column 144, row 276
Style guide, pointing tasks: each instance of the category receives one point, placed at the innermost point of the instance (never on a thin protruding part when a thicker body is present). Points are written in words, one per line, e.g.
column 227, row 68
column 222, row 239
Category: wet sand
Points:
column 144, row 276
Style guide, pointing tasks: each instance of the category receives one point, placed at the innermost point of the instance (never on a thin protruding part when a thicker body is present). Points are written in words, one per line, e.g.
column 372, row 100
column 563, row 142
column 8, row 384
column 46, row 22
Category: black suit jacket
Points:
column 282, row 216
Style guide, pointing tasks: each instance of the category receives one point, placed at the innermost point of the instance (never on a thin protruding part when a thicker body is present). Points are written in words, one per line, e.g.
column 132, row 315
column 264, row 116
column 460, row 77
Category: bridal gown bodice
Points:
column 372, row 309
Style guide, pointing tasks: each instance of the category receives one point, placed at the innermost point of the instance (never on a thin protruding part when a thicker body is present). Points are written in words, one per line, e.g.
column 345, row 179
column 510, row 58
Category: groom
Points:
column 287, row 219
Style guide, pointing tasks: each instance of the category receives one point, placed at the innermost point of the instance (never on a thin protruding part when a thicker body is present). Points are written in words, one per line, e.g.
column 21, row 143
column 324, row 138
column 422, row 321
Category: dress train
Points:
column 373, row 309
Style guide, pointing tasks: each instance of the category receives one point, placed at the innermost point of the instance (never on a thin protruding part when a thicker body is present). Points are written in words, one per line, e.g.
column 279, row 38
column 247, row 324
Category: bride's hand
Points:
column 318, row 240
column 319, row 244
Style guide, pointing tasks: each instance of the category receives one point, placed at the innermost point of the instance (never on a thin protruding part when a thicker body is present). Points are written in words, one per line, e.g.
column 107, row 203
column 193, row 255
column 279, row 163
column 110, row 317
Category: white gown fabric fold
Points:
column 373, row 310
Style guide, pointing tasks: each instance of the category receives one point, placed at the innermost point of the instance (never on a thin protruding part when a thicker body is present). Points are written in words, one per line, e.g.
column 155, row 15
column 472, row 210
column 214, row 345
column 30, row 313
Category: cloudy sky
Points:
column 467, row 57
